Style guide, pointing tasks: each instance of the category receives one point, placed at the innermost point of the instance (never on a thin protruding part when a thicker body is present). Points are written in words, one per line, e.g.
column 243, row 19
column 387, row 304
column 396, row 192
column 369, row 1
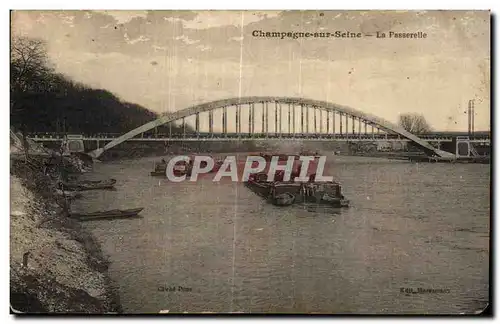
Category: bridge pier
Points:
column 328, row 122
column 267, row 118
column 333, row 124
column 346, row 126
column 340, row 124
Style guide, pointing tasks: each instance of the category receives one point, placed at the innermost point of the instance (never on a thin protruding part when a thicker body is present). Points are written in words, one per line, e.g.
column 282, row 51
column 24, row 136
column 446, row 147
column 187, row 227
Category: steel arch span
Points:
column 318, row 104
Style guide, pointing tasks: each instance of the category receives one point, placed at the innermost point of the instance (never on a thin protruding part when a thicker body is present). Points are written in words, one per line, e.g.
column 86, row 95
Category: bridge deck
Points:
column 233, row 137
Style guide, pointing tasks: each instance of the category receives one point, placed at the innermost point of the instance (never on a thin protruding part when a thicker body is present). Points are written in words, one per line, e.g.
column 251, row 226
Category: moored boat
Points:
column 309, row 153
column 160, row 169
column 281, row 157
column 115, row 213
column 108, row 181
column 83, row 185
column 184, row 167
column 285, row 193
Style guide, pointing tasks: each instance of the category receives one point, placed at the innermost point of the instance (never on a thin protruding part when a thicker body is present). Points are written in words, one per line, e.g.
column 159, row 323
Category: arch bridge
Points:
column 288, row 118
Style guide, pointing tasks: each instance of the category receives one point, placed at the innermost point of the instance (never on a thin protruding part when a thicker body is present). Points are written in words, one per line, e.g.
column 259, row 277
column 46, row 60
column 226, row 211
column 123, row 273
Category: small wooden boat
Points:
column 86, row 185
column 115, row 213
column 281, row 157
column 339, row 201
column 159, row 170
column 160, row 166
column 309, row 153
column 110, row 181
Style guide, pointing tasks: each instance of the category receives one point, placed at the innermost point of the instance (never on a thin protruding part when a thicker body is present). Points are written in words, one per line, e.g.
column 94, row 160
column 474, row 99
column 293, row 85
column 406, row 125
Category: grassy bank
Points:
column 66, row 271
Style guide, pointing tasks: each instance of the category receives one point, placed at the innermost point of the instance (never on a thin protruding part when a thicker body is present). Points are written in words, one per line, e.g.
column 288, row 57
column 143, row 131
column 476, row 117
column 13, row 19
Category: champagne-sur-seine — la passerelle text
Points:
column 339, row 34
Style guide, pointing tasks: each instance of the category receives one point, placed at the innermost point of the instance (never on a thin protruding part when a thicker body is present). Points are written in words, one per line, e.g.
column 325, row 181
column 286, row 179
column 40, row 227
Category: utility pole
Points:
column 472, row 117
column 470, row 113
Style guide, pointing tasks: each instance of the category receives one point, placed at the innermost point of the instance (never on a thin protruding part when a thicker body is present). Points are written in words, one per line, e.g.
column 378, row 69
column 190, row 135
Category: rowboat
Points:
column 309, row 153
column 281, row 157
column 160, row 169
column 111, row 181
column 115, row 213
column 89, row 185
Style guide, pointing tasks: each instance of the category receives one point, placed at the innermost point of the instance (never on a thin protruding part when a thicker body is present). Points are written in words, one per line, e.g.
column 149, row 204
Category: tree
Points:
column 29, row 66
column 414, row 123
column 29, row 73
column 42, row 100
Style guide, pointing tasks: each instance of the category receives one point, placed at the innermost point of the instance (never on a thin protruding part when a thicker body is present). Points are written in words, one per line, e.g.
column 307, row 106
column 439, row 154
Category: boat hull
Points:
column 110, row 214
column 90, row 185
column 285, row 194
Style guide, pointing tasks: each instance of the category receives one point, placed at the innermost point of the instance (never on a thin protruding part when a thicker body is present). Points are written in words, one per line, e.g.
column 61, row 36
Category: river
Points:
column 217, row 247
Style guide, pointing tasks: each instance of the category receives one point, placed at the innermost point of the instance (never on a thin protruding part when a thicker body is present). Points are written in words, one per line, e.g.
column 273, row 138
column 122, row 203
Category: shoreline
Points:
column 56, row 266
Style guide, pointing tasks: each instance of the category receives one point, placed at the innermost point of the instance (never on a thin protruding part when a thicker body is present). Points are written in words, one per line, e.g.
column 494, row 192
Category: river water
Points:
column 217, row 247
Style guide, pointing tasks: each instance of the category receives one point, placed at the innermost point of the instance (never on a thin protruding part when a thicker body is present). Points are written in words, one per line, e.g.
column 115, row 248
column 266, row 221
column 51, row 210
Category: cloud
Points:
column 203, row 48
column 137, row 40
column 123, row 16
column 68, row 19
column 187, row 40
column 213, row 19
column 159, row 48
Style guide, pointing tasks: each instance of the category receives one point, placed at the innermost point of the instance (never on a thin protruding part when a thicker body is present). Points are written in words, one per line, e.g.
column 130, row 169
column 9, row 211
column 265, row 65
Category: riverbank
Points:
column 55, row 264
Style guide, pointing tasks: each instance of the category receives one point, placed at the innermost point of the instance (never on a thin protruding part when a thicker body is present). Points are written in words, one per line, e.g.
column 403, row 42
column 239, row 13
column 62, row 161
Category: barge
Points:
column 183, row 167
column 285, row 193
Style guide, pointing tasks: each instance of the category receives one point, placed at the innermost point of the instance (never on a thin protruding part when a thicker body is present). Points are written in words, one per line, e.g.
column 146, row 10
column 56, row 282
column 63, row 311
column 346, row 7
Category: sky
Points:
column 170, row 60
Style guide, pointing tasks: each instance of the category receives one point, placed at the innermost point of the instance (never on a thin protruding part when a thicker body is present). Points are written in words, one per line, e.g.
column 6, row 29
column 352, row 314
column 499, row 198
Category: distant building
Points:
column 384, row 146
column 399, row 146
column 391, row 146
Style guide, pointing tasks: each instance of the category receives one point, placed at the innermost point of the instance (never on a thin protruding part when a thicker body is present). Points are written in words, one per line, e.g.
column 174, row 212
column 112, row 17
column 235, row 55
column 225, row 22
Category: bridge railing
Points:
column 366, row 136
